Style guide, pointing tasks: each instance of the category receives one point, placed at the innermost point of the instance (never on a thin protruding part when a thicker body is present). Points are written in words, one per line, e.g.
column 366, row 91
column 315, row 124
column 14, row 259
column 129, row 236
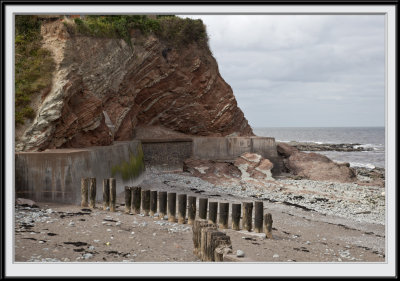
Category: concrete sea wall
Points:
column 229, row 148
column 55, row 175
column 166, row 154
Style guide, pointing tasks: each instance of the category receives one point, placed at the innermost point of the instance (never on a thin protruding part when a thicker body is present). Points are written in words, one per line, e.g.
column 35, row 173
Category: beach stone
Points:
column 87, row 256
column 28, row 202
column 239, row 253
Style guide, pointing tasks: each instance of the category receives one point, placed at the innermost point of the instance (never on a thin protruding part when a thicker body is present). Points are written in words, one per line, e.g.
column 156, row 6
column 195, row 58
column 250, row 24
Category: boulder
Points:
column 249, row 166
column 26, row 202
column 252, row 165
column 318, row 167
column 285, row 150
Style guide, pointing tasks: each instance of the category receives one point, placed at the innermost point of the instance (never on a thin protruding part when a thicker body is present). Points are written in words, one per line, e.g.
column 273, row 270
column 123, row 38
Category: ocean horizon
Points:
column 367, row 137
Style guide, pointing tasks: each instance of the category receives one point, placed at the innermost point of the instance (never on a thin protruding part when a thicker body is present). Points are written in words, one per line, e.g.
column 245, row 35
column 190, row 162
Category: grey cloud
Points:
column 319, row 70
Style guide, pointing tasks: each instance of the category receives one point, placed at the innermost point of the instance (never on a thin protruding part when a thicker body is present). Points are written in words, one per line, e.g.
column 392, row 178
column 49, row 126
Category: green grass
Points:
column 176, row 32
column 130, row 169
column 33, row 66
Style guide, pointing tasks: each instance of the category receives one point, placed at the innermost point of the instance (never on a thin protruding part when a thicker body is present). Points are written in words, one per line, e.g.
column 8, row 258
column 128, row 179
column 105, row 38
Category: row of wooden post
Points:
column 88, row 193
column 137, row 199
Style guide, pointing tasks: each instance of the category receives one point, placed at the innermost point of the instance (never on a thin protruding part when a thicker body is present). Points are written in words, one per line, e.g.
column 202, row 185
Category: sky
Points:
column 302, row 70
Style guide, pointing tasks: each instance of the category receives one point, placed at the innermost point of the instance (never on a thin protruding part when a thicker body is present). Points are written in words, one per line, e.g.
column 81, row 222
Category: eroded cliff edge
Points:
column 103, row 89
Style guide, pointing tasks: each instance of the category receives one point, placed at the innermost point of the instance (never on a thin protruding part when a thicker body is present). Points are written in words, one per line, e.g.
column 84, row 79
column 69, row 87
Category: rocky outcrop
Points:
column 314, row 166
column 344, row 147
column 318, row 167
column 102, row 79
column 249, row 167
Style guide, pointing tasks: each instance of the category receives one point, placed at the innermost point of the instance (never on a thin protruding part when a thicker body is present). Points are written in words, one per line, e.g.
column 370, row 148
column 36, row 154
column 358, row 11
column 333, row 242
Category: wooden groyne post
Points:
column 182, row 203
column 247, row 215
column 146, row 202
column 136, row 199
column 162, row 204
column 84, row 192
column 92, row 192
column 209, row 244
column 128, row 199
column 113, row 194
column 212, row 212
column 268, row 225
column 223, row 215
column 236, row 212
column 191, row 209
column 171, row 207
column 153, row 202
column 106, row 194
column 258, row 216
column 203, row 202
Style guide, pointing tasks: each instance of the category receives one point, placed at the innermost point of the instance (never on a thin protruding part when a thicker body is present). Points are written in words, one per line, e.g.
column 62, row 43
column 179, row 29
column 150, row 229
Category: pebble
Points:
column 91, row 248
column 239, row 253
column 87, row 256
column 118, row 223
column 96, row 241
column 71, row 223
column 275, row 256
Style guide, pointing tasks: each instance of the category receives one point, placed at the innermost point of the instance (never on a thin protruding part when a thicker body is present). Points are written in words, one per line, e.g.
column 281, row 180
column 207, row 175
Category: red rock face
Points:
column 315, row 166
column 136, row 87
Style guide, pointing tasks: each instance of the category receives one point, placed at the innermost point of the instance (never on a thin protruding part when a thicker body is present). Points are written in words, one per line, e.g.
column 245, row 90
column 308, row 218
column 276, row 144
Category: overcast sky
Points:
column 302, row 70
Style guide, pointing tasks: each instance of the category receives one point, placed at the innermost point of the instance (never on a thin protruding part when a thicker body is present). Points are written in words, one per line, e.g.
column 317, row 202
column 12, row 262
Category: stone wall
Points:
column 166, row 154
column 55, row 175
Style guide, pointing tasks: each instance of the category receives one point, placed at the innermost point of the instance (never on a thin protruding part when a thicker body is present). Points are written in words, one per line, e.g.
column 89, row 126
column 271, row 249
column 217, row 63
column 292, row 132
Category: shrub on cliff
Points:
column 33, row 65
column 176, row 31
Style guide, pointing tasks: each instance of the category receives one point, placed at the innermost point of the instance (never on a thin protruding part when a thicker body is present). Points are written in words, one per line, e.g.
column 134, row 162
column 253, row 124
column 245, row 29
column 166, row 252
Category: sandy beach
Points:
column 312, row 222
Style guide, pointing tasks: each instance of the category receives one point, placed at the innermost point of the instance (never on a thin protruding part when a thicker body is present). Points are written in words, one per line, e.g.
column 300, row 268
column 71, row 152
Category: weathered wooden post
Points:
column 84, row 192
column 106, row 194
column 223, row 214
column 222, row 246
column 146, row 202
column 153, row 202
column 203, row 202
column 258, row 216
column 162, row 207
column 268, row 225
column 92, row 192
column 182, row 203
column 113, row 194
column 198, row 225
column 136, row 199
column 212, row 212
column 171, row 207
column 236, row 211
column 191, row 209
column 209, row 235
column 128, row 199
column 247, row 215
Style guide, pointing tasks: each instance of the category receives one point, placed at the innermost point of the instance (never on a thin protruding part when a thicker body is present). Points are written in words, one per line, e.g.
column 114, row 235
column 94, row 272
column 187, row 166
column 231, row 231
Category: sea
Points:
column 368, row 137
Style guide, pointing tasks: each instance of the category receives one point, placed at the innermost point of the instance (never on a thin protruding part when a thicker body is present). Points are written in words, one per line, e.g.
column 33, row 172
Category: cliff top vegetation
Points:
column 175, row 31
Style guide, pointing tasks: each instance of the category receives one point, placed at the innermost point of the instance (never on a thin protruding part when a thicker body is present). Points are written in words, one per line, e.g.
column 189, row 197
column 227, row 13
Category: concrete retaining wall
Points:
column 55, row 175
column 229, row 148
column 166, row 154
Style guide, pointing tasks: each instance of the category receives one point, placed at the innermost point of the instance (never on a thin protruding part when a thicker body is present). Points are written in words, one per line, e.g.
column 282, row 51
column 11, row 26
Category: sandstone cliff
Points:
column 103, row 89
